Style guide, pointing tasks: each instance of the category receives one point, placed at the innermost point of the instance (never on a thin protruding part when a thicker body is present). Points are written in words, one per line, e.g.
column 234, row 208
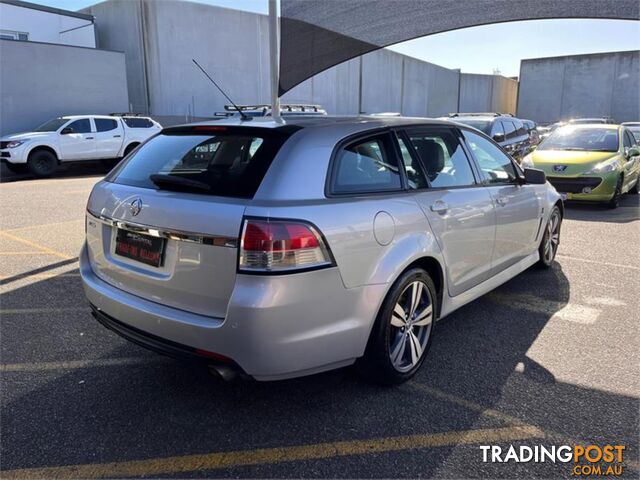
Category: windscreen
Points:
column 587, row 139
column 222, row 164
column 482, row 125
column 52, row 125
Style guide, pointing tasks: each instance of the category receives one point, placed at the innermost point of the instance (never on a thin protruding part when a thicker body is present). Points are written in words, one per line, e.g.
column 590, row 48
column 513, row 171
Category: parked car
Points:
column 634, row 128
column 286, row 110
column 288, row 249
column 581, row 121
column 73, row 138
column 532, row 130
column 508, row 131
column 595, row 163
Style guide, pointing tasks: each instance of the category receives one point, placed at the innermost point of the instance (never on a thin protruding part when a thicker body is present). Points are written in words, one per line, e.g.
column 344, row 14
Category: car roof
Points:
column 363, row 122
column 607, row 126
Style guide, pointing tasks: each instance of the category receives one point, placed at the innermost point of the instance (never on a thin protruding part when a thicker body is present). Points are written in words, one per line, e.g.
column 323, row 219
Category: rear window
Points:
column 136, row 122
column 229, row 164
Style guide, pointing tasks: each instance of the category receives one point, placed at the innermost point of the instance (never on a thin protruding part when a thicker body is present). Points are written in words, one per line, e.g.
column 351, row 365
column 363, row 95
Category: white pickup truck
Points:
column 73, row 138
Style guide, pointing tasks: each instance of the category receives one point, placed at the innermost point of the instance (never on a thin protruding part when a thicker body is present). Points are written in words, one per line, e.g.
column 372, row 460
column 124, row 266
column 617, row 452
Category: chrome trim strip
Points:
column 215, row 240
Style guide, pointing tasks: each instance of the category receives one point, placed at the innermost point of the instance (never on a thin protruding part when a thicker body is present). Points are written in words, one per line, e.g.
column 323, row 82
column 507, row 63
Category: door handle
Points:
column 116, row 136
column 439, row 207
column 502, row 201
column 88, row 138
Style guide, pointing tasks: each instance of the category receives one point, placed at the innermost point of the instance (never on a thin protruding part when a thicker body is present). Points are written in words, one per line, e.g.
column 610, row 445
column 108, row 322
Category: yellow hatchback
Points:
column 596, row 163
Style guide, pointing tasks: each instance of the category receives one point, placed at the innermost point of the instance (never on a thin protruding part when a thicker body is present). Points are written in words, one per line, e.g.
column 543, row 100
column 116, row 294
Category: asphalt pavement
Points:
column 550, row 358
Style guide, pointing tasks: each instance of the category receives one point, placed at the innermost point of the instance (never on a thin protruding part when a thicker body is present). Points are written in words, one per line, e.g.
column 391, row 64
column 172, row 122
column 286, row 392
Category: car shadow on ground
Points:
column 166, row 408
column 628, row 211
column 65, row 170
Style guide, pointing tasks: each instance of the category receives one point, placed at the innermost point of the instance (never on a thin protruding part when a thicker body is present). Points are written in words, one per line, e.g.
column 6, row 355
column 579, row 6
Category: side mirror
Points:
column 499, row 137
column 66, row 131
column 632, row 152
column 534, row 176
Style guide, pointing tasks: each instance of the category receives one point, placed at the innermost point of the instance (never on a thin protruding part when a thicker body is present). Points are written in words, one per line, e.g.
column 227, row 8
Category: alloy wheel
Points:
column 411, row 325
column 552, row 237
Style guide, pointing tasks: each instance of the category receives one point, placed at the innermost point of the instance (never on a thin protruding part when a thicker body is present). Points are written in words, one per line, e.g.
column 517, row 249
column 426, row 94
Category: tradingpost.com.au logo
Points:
column 585, row 459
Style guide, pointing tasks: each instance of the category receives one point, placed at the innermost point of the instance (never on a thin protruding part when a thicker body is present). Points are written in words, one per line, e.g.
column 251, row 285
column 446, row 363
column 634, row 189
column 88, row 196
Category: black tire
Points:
column 376, row 364
column 615, row 200
column 636, row 187
column 42, row 163
column 17, row 167
column 549, row 249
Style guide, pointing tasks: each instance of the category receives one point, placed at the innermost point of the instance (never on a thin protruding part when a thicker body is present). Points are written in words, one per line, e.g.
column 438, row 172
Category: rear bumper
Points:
column 276, row 327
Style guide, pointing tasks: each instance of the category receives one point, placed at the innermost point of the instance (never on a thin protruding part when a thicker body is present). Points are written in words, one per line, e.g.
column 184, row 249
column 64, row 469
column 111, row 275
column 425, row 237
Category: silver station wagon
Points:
column 285, row 249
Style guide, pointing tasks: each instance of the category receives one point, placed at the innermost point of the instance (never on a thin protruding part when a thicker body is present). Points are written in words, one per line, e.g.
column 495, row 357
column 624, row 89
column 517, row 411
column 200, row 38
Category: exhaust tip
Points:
column 222, row 372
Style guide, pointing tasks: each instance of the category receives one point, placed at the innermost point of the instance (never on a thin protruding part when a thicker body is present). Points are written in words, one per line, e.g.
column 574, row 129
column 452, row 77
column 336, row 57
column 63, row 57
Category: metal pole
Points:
column 273, row 59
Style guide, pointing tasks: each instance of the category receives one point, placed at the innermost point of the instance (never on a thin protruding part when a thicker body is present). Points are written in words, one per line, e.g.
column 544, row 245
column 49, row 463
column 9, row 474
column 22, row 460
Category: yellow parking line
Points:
column 23, row 253
column 31, row 227
column 218, row 460
column 469, row 405
column 22, row 311
column 35, row 245
column 79, row 364
column 40, row 276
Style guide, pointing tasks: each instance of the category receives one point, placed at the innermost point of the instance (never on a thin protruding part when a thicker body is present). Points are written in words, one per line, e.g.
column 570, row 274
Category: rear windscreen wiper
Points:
column 171, row 181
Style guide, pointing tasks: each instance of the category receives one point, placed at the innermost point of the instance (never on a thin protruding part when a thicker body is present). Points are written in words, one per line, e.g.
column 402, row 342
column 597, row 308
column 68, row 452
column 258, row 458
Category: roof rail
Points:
column 480, row 114
column 128, row 114
column 285, row 106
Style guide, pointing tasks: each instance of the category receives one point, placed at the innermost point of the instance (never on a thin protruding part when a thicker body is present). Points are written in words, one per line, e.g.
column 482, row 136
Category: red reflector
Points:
column 273, row 237
column 217, row 356
column 209, row 128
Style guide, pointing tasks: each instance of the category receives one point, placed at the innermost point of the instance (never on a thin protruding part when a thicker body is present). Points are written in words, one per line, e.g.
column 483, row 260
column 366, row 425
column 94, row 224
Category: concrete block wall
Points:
column 41, row 81
column 487, row 93
column 163, row 37
column 559, row 88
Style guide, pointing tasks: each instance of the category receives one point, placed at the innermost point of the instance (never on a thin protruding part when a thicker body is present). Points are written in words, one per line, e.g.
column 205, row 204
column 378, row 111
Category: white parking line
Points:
column 556, row 310
column 598, row 262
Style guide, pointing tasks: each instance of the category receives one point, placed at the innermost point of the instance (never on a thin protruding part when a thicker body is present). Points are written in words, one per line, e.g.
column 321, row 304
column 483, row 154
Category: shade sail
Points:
column 318, row 34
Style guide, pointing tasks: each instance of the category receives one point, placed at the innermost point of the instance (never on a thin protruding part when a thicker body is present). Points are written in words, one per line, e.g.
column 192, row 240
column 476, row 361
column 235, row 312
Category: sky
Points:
column 488, row 48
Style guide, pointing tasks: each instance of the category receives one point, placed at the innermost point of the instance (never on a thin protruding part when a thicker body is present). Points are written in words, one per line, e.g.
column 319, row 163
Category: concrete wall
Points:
column 487, row 93
column 560, row 88
column 50, row 27
column 161, row 37
column 57, row 80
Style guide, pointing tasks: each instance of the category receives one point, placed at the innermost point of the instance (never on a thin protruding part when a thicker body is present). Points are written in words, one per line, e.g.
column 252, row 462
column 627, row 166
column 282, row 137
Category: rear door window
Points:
column 443, row 157
column 231, row 163
column 105, row 124
column 367, row 166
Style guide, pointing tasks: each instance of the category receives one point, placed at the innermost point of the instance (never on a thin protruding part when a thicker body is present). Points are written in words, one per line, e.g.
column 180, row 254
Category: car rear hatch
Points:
column 164, row 225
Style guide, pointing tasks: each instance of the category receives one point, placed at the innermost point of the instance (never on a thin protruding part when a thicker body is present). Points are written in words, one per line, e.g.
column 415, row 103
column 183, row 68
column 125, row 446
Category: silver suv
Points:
column 281, row 250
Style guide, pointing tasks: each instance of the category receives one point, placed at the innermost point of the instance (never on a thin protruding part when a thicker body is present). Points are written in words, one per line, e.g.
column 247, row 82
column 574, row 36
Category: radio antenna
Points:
column 242, row 114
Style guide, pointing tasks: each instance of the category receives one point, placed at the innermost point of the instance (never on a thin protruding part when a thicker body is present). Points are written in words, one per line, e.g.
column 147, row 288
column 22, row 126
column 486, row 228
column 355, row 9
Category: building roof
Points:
column 43, row 8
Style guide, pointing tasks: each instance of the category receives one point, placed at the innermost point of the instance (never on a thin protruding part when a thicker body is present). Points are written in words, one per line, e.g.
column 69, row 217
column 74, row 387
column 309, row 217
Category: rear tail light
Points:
column 280, row 246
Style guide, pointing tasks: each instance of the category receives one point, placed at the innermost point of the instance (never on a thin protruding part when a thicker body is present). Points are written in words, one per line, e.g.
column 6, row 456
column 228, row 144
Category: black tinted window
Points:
column 105, row 124
column 509, row 129
column 136, row 122
column 628, row 139
column 367, row 166
column 520, row 129
column 80, row 126
column 230, row 164
column 497, row 131
column 443, row 157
